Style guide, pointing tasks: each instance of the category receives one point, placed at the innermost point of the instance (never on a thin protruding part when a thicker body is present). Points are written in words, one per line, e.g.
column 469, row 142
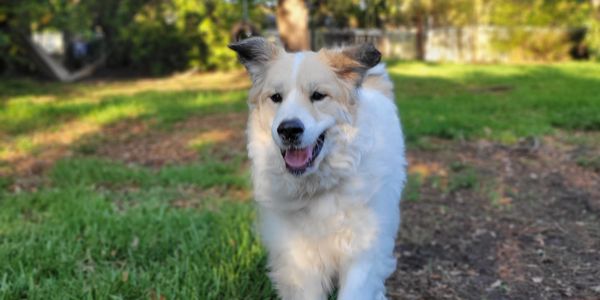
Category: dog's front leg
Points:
column 296, row 277
column 363, row 277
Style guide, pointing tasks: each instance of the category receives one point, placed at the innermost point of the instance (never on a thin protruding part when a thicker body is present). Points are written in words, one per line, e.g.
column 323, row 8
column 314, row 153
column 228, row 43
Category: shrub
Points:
column 155, row 37
column 534, row 44
column 152, row 47
column 592, row 38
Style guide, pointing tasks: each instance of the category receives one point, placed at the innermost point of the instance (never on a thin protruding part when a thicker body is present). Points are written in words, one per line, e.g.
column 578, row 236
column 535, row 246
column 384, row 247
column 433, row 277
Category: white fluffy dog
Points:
column 328, row 168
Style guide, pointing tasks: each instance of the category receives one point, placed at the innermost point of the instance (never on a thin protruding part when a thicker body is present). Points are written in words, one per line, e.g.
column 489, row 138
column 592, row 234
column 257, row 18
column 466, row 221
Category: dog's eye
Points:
column 316, row 96
column 276, row 98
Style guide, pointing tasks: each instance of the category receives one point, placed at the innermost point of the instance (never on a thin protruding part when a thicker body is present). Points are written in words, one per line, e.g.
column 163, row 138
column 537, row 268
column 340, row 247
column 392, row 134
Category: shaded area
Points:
column 37, row 129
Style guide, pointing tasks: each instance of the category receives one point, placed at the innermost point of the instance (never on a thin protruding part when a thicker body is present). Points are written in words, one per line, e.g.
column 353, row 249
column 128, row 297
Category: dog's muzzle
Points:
column 297, row 159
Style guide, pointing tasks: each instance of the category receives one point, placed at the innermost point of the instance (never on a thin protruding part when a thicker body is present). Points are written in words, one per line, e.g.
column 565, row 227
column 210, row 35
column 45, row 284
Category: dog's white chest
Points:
column 336, row 228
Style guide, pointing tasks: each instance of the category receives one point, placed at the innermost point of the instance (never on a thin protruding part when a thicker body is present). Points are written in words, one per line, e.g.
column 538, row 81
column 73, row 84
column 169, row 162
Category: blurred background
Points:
column 123, row 165
column 58, row 38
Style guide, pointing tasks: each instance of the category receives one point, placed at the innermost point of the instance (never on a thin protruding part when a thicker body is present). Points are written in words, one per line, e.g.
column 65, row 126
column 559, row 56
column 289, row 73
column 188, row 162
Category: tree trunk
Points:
column 421, row 38
column 292, row 23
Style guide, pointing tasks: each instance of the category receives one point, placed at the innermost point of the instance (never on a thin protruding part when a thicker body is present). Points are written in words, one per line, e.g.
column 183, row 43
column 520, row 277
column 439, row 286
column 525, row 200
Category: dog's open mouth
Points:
column 297, row 160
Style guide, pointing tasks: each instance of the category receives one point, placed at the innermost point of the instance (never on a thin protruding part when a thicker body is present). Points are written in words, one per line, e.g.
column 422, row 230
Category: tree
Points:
column 593, row 33
column 292, row 23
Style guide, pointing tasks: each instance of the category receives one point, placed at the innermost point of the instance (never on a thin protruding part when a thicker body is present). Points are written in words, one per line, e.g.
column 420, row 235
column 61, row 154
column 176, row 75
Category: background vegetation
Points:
column 162, row 36
column 155, row 37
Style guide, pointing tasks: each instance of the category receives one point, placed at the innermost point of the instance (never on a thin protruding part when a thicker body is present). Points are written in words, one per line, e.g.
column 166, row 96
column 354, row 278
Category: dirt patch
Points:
column 217, row 136
column 473, row 243
column 492, row 89
column 221, row 135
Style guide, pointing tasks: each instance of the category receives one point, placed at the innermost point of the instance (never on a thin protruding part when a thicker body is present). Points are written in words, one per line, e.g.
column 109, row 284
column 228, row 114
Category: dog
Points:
column 328, row 167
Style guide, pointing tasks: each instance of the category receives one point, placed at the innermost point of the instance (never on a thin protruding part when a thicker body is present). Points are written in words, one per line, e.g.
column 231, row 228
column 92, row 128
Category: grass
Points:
column 73, row 243
column 25, row 114
column 98, row 228
column 500, row 102
column 106, row 230
column 462, row 177
column 592, row 163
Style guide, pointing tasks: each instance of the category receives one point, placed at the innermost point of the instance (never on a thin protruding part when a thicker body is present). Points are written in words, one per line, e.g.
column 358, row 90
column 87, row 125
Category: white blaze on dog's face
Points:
column 302, row 97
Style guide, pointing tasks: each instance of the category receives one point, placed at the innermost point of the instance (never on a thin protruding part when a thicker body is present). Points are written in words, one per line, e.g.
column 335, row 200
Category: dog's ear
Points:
column 352, row 63
column 255, row 53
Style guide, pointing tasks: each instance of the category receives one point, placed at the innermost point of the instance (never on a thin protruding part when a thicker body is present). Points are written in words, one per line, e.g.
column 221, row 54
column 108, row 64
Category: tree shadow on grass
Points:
column 167, row 107
column 149, row 111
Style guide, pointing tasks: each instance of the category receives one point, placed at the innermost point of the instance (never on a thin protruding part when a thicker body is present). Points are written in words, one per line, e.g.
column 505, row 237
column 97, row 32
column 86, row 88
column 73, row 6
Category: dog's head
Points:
column 304, row 99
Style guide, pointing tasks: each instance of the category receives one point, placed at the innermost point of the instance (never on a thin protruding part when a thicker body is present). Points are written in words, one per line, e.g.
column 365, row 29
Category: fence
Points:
column 442, row 44
column 465, row 44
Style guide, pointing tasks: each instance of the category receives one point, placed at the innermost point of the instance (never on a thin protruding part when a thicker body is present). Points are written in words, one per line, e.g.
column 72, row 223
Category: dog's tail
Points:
column 377, row 78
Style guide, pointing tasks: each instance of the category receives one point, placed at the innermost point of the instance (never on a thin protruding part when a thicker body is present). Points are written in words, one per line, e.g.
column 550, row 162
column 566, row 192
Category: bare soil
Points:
column 527, row 228
column 220, row 136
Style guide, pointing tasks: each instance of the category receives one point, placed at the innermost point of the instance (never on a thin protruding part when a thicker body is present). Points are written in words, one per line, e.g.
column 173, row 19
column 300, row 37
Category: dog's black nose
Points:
column 290, row 131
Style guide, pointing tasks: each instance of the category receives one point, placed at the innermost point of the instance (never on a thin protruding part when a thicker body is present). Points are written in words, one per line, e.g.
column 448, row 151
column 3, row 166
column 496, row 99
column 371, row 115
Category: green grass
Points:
column 591, row 162
column 462, row 178
column 105, row 230
column 25, row 114
column 100, row 229
column 86, row 171
column 74, row 243
column 502, row 102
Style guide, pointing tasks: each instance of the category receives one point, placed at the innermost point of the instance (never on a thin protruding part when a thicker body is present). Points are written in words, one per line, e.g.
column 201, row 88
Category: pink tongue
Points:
column 298, row 157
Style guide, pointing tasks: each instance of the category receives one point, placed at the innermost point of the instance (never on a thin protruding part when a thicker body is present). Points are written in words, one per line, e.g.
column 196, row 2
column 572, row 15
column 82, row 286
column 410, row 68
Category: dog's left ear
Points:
column 255, row 53
column 352, row 63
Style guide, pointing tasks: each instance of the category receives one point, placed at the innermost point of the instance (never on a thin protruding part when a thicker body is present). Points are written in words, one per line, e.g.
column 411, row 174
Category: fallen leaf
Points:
column 495, row 285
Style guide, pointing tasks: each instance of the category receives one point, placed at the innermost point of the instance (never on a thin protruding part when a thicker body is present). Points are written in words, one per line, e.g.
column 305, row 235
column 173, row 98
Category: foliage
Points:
column 538, row 29
column 593, row 34
column 533, row 44
column 142, row 35
column 551, row 13
column 12, row 15
column 532, row 26
column 350, row 14
column 153, row 48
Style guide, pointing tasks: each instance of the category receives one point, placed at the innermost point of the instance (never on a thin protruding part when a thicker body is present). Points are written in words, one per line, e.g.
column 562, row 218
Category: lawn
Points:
column 140, row 188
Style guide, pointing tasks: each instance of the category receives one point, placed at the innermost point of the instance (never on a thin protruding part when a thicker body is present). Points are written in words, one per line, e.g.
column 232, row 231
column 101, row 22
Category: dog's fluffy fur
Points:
column 334, row 222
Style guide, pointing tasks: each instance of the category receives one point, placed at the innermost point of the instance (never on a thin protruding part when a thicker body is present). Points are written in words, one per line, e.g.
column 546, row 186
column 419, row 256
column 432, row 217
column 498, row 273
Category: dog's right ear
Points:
column 255, row 53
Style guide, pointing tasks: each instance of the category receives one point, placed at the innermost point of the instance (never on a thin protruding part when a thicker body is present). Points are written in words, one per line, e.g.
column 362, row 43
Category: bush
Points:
column 13, row 58
column 151, row 47
column 592, row 38
column 534, row 44
column 156, row 37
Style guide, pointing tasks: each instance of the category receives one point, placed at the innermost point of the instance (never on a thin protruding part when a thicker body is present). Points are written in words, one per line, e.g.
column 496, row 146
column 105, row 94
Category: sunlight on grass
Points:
column 500, row 102
column 209, row 138
column 90, row 244
column 58, row 125
column 112, row 230
column 114, row 113
column 89, row 171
